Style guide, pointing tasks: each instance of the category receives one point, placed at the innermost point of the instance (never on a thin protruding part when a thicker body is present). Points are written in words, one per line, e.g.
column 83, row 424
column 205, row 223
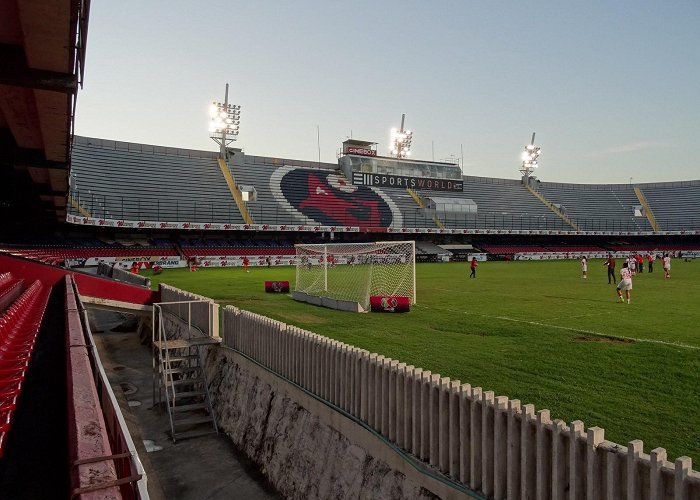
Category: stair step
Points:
column 179, row 359
column 184, row 381
column 204, row 419
column 194, row 433
column 164, row 345
column 184, row 369
column 189, row 394
column 191, row 407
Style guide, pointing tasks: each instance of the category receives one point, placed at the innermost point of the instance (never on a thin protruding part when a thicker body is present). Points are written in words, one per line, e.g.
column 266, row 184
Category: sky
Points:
column 611, row 88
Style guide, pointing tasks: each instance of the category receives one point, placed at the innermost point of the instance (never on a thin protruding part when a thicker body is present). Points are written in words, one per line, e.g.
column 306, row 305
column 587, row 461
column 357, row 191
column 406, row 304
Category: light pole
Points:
column 401, row 140
column 529, row 157
column 224, row 124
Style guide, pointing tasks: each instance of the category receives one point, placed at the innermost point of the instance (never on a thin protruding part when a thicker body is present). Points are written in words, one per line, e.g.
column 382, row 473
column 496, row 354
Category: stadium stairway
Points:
column 182, row 386
column 421, row 204
column 551, row 206
column 235, row 192
column 647, row 209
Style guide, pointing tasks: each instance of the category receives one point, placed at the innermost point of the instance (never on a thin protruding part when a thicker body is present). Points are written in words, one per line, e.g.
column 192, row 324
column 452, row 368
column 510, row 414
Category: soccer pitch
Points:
column 530, row 330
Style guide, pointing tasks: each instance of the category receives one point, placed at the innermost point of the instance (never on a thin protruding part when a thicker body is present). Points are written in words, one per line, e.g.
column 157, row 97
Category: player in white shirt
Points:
column 584, row 267
column 632, row 264
column 667, row 266
column 625, row 283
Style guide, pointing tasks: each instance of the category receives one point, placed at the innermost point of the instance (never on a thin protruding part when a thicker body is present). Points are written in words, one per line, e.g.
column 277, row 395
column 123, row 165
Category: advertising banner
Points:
column 406, row 182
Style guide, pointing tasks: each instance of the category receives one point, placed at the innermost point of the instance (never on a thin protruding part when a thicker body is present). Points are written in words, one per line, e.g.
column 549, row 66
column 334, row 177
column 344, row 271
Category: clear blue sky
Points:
column 612, row 88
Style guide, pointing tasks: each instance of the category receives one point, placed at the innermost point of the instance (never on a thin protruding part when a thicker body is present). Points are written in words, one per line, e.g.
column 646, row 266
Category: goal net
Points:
column 356, row 271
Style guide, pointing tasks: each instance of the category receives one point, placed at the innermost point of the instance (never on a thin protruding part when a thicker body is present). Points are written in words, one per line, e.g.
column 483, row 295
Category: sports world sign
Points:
column 405, row 182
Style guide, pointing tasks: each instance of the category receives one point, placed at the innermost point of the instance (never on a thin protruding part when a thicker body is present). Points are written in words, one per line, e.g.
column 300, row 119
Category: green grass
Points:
column 534, row 331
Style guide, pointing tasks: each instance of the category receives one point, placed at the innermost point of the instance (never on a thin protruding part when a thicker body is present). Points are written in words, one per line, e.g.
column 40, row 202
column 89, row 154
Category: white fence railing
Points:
column 490, row 443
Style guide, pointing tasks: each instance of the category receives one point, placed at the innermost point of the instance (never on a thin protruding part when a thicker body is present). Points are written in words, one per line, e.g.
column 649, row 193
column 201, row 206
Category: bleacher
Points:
column 675, row 205
column 120, row 180
column 411, row 213
column 256, row 171
column 597, row 207
column 58, row 417
column 235, row 248
column 138, row 182
column 19, row 326
column 501, row 204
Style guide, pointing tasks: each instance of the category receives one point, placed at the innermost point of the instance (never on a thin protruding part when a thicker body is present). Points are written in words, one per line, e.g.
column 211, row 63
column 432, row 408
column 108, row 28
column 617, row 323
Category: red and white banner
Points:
column 200, row 226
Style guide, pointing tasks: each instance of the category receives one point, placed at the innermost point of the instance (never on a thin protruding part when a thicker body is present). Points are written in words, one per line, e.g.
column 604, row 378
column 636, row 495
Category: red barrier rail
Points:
column 103, row 458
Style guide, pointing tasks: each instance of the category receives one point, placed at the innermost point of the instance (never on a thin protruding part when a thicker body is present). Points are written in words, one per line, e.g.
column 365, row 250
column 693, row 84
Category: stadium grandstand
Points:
column 73, row 205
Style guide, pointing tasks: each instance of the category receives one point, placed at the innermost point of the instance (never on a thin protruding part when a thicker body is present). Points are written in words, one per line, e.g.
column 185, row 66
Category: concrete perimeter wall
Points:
column 465, row 437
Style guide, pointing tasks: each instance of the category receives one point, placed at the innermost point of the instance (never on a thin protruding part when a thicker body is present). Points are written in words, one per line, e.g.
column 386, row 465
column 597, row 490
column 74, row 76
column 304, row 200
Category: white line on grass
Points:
column 578, row 316
column 576, row 330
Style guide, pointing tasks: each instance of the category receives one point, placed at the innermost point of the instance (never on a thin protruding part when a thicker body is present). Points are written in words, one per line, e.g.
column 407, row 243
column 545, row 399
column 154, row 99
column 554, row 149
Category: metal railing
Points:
column 199, row 211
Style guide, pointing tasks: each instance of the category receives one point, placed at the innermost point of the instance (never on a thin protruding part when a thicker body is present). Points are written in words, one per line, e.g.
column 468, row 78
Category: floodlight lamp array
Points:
column 225, row 119
column 401, row 143
column 529, row 157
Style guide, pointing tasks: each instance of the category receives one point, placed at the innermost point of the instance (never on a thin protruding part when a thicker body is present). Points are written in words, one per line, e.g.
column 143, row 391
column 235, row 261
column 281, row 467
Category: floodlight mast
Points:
column 530, row 155
column 224, row 125
column 401, row 140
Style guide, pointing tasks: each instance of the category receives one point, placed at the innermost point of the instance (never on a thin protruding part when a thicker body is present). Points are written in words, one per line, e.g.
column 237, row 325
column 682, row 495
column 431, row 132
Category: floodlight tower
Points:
column 530, row 155
column 224, row 124
column 401, row 140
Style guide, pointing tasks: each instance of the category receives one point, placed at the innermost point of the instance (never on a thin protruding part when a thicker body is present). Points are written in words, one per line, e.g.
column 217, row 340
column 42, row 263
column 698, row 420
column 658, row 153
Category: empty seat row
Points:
column 207, row 251
column 19, row 327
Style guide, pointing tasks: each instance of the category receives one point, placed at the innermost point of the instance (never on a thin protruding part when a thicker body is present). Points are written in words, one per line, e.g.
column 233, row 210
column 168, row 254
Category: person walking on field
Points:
column 667, row 266
column 611, row 268
column 245, row 264
column 473, row 265
column 625, row 283
column 584, row 267
column 650, row 263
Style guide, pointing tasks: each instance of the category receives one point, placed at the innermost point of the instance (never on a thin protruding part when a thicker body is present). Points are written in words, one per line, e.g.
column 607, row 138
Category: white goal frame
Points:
column 318, row 265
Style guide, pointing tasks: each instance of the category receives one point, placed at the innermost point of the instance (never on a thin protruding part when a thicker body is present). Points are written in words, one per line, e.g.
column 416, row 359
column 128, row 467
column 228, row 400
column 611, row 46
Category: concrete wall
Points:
column 306, row 449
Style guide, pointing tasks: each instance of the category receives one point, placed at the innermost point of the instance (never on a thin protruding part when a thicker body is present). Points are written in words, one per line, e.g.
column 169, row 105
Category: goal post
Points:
column 353, row 272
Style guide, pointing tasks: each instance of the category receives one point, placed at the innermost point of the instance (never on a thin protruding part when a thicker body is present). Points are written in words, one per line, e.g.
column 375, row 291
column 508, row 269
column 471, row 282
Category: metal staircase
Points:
column 179, row 384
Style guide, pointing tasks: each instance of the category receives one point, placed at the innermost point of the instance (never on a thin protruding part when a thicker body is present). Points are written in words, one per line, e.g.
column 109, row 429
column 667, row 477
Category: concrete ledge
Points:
column 341, row 305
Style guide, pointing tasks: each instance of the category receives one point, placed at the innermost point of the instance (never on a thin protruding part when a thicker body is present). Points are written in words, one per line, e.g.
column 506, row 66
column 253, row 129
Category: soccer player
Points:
column 584, row 267
column 650, row 263
column 611, row 268
column 625, row 283
column 245, row 264
column 667, row 266
column 473, row 265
